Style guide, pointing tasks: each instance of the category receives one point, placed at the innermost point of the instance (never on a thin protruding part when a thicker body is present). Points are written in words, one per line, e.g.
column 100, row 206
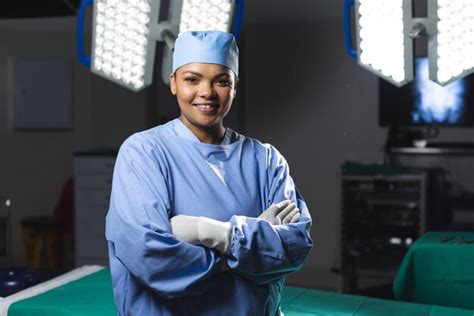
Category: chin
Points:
column 207, row 122
column 206, row 119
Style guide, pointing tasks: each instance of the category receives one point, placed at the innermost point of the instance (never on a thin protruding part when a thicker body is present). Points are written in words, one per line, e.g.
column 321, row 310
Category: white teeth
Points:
column 204, row 106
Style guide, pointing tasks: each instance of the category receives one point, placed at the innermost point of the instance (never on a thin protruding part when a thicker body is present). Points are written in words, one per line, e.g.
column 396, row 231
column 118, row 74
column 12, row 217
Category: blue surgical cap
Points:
column 210, row 47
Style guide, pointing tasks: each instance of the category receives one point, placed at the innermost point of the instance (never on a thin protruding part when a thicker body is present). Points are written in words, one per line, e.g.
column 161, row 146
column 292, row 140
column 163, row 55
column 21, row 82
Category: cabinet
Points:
column 93, row 183
column 381, row 216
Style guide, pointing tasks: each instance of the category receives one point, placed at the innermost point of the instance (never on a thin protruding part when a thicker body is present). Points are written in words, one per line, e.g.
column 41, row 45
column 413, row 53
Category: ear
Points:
column 236, row 84
column 173, row 83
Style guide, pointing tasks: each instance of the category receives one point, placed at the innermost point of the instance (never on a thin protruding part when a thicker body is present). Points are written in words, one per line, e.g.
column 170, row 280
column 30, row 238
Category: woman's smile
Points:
column 207, row 108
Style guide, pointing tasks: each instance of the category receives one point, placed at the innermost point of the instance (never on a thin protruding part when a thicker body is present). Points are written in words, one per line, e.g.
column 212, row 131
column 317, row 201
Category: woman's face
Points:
column 205, row 93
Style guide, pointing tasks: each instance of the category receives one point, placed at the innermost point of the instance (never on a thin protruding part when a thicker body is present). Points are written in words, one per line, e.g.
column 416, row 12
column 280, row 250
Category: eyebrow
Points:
column 200, row 75
column 192, row 72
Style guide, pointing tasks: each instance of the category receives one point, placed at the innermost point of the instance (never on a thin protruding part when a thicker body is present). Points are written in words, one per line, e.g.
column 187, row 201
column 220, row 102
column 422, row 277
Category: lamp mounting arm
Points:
column 421, row 27
column 165, row 32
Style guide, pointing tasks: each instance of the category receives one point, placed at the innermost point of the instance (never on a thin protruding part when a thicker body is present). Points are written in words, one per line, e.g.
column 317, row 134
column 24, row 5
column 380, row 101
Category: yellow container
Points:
column 41, row 239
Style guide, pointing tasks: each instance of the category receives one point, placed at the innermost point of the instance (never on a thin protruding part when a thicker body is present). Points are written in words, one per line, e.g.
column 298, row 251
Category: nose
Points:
column 206, row 90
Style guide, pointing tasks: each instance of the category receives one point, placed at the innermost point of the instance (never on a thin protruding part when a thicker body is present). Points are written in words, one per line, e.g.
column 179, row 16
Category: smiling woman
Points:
column 203, row 220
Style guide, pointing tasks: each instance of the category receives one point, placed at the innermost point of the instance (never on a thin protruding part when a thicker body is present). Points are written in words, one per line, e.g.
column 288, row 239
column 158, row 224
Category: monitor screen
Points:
column 425, row 103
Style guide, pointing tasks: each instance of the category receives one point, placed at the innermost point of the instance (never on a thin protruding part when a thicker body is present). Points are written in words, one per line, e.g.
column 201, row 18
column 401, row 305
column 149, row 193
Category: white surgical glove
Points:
column 186, row 228
column 203, row 230
column 281, row 213
column 216, row 234
column 291, row 217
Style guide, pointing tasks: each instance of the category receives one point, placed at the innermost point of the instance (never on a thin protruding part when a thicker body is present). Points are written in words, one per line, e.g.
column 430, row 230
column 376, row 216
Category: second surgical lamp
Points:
column 385, row 30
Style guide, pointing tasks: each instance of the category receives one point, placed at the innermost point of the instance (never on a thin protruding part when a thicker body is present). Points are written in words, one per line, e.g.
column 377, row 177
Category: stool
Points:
column 15, row 279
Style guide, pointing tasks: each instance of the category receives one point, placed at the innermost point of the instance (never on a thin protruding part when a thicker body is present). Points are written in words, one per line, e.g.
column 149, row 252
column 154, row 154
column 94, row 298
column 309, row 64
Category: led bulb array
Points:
column 202, row 15
column 382, row 39
column 121, row 39
column 455, row 39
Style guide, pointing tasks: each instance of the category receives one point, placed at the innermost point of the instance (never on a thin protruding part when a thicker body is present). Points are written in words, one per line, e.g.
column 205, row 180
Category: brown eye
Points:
column 224, row 82
column 190, row 79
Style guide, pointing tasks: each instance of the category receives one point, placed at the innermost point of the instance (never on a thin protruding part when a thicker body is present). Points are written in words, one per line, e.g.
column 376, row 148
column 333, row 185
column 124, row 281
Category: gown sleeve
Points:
column 265, row 253
column 139, row 230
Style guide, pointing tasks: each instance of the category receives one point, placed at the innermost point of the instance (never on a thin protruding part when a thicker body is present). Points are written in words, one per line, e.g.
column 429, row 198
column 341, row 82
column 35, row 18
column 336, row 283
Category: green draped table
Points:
column 438, row 269
column 92, row 295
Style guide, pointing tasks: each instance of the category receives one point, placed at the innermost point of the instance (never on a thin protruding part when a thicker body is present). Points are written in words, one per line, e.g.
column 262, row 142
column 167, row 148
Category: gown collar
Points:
column 182, row 131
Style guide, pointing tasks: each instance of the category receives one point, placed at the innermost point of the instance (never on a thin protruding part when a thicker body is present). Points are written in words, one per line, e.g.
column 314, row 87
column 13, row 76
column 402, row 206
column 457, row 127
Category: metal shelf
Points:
column 432, row 150
column 379, row 215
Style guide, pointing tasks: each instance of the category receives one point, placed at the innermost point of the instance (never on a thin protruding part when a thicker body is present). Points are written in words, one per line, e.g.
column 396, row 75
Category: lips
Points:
column 206, row 107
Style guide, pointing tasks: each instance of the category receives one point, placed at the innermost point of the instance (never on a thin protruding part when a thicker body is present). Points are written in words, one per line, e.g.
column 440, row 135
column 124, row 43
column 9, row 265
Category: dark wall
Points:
column 303, row 94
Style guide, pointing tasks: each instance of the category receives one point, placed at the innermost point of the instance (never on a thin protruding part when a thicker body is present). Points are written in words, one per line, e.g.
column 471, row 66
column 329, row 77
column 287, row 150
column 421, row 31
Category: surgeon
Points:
column 203, row 220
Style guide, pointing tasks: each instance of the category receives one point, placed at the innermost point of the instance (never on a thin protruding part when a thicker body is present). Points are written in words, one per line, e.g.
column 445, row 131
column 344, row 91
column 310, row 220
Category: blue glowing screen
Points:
column 435, row 103
column 424, row 102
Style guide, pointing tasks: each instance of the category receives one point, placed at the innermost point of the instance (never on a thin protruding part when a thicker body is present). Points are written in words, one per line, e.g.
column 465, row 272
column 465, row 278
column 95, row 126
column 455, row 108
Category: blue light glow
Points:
column 434, row 103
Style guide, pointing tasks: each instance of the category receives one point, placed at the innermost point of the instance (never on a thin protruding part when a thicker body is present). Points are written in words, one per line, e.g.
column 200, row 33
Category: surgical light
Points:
column 383, row 46
column 125, row 33
column 206, row 15
column 120, row 43
column 453, row 44
column 385, row 30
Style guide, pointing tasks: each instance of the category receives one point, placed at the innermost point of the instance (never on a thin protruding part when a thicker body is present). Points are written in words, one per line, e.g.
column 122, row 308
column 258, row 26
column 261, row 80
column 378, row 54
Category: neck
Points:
column 208, row 135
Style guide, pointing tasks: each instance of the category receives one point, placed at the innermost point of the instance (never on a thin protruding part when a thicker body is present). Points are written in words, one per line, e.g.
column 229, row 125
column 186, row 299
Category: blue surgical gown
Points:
column 166, row 171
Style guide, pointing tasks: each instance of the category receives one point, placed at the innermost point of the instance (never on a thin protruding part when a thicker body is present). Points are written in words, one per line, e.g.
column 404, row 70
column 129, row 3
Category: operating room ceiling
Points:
column 57, row 15
column 256, row 10
column 43, row 8
column 288, row 10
